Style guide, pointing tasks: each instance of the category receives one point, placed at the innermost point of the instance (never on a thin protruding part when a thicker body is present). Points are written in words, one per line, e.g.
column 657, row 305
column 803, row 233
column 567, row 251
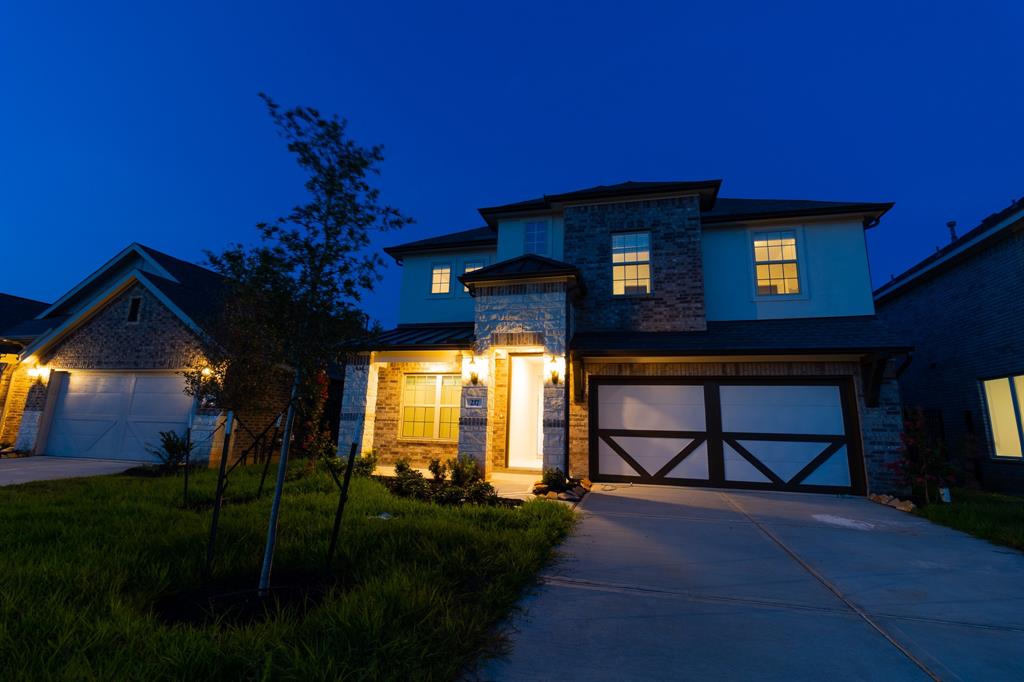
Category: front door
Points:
column 526, row 412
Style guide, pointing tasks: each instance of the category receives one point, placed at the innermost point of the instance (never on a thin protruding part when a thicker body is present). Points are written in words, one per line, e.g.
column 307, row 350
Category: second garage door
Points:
column 116, row 415
column 778, row 435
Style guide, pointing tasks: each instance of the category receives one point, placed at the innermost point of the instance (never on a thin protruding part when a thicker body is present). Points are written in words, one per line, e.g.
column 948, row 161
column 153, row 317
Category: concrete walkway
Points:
column 664, row 583
column 25, row 469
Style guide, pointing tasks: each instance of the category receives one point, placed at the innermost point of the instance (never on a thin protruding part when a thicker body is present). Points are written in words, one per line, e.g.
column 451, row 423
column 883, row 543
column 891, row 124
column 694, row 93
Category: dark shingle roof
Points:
column 786, row 336
column 14, row 309
column 962, row 242
column 198, row 291
column 478, row 237
column 727, row 209
column 527, row 265
column 436, row 336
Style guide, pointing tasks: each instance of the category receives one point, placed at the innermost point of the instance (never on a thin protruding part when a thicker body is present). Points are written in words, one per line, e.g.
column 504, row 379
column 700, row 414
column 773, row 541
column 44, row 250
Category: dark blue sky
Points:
column 140, row 121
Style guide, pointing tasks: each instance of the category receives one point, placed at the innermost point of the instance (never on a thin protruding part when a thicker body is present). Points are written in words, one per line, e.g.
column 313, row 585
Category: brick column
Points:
column 554, row 425
column 473, row 425
column 356, row 424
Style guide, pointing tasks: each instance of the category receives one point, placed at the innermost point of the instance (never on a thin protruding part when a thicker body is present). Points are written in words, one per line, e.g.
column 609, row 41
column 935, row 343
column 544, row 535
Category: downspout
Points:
column 567, row 384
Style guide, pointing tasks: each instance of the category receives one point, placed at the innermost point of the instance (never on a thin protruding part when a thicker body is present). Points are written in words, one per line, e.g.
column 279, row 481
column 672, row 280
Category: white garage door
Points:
column 117, row 415
column 795, row 436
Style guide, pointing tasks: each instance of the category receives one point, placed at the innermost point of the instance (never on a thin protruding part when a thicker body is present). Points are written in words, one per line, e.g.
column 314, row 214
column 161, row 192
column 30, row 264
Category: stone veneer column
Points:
column 554, row 425
column 473, row 425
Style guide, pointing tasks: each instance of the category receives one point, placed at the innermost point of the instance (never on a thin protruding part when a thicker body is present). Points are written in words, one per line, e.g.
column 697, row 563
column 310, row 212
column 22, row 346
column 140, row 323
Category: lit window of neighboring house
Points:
column 440, row 279
column 631, row 263
column 471, row 266
column 775, row 264
column 1005, row 400
column 535, row 237
column 430, row 406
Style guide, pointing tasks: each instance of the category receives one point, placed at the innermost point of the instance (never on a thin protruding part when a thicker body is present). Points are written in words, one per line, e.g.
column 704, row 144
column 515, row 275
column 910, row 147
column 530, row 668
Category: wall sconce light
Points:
column 206, row 372
column 472, row 371
column 556, row 368
column 40, row 373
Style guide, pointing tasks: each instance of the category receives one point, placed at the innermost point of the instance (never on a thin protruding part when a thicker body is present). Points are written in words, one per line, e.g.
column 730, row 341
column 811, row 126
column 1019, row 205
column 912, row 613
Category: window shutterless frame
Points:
column 437, row 404
column 440, row 279
column 535, row 237
column 995, row 416
column 778, row 259
column 631, row 263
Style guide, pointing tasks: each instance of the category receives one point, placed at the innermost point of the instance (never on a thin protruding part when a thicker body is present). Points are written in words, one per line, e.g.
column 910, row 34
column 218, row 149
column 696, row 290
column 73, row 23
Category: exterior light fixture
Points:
column 206, row 372
column 473, row 372
column 556, row 368
column 40, row 373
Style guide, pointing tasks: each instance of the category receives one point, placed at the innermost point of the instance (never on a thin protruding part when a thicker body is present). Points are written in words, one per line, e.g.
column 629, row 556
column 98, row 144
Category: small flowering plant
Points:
column 924, row 466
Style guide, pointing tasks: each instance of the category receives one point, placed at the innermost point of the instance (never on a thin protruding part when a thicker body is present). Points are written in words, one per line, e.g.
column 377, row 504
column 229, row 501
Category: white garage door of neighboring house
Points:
column 117, row 415
column 729, row 433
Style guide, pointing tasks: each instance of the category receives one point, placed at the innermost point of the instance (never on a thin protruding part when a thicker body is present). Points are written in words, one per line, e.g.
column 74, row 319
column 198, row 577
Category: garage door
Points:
column 116, row 415
column 727, row 433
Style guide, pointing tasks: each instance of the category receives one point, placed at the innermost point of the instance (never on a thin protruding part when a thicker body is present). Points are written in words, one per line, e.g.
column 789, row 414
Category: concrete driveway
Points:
column 24, row 469
column 671, row 583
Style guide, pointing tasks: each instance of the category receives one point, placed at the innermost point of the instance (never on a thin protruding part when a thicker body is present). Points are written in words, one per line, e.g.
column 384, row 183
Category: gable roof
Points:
column 196, row 290
column 478, row 237
column 14, row 309
column 528, row 265
column 989, row 229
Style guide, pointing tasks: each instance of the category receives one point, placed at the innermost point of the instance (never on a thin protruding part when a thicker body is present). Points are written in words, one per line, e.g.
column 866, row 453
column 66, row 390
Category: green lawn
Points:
column 82, row 563
column 994, row 517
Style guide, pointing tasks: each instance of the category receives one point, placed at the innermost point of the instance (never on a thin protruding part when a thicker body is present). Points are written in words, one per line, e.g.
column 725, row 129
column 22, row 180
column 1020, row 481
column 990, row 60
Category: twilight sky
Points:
column 138, row 121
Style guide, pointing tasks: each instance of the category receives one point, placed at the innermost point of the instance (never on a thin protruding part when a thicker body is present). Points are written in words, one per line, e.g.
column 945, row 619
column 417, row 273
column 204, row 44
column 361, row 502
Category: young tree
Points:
column 294, row 298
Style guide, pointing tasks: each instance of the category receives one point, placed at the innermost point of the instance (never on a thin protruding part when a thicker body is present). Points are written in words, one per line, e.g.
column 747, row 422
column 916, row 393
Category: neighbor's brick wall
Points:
column 677, row 274
column 966, row 324
column 14, row 406
column 880, row 426
column 387, row 418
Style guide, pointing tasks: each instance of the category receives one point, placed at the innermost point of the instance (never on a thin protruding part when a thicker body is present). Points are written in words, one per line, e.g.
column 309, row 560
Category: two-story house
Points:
column 648, row 332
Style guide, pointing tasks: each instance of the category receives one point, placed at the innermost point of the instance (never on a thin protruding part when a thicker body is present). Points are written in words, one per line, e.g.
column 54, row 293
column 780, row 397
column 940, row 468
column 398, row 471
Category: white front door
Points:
column 526, row 412
column 117, row 415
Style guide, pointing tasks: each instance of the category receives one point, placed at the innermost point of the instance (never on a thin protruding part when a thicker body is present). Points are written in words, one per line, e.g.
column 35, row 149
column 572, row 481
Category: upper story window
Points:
column 134, row 306
column 441, row 279
column 1005, row 400
column 471, row 266
column 631, row 263
column 775, row 263
column 535, row 237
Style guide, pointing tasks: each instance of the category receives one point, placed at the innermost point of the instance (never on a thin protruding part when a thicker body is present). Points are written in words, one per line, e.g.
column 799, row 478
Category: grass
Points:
column 82, row 563
column 994, row 517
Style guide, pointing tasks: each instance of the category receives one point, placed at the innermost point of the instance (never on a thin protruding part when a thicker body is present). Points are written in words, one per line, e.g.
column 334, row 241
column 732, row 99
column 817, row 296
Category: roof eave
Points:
column 869, row 213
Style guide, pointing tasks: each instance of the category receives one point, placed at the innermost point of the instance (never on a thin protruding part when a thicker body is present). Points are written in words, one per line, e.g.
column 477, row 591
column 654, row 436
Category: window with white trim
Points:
column 134, row 306
column 535, row 237
column 1004, row 398
column 441, row 279
column 471, row 266
column 631, row 263
column 430, row 406
column 775, row 263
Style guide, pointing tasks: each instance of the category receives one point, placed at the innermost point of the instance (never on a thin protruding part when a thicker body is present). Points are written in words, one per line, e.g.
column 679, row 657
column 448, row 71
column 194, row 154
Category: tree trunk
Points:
column 275, row 507
column 342, row 498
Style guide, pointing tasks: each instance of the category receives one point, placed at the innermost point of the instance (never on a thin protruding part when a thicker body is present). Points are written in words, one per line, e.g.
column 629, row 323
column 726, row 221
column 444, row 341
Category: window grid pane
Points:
column 471, row 266
column 535, row 237
column 775, row 264
column 440, row 279
column 631, row 269
column 430, row 406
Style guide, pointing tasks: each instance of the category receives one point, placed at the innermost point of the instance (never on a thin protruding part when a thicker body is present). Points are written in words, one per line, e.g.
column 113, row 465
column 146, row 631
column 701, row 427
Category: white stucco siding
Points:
column 511, row 238
column 417, row 304
column 834, row 275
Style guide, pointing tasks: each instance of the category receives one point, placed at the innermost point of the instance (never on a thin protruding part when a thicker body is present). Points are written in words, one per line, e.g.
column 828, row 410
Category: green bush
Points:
column 409, row 482
column 365, row 465
column 464, row 471
column 174, row 450
column 438, row 469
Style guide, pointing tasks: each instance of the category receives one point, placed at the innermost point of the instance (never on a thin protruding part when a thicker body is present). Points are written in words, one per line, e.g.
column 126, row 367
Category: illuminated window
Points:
column 631, row 263
column 1005, row 399
column 440, row 279
column 430, row 406
column 775, row 264
column 535, row 237
column 471, row 266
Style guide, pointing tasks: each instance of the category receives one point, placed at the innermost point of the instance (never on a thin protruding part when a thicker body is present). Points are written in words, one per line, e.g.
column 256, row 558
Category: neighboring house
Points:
column 13, row 310
column 99, row 371
column 963, row 310
column 640, row 332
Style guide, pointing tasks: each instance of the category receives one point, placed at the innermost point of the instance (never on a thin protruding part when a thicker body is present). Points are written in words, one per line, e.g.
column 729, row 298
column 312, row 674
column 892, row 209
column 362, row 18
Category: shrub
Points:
column 554, row 479
column 481, row 492
column 464, row 471
column 409, row 482
column 923, row 466
column 365, row 466
column 174, row 450
column 438, row 469
column 448, row 494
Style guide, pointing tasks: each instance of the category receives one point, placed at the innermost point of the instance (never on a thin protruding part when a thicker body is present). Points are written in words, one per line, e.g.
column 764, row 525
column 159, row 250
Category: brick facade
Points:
column 387, row 418
column 880, row 426
column 965, row 323
column 677, row 274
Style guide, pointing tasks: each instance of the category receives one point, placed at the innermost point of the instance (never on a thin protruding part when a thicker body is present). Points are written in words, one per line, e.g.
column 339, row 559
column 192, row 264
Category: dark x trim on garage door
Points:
column 716, row 438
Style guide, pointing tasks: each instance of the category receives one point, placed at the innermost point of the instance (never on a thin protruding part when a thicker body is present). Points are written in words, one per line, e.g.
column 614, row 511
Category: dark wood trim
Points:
column 819, row 459
column 627, row 457
column 644, row 433
column 713, row 423
column 757, row 464
column 679, row 457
